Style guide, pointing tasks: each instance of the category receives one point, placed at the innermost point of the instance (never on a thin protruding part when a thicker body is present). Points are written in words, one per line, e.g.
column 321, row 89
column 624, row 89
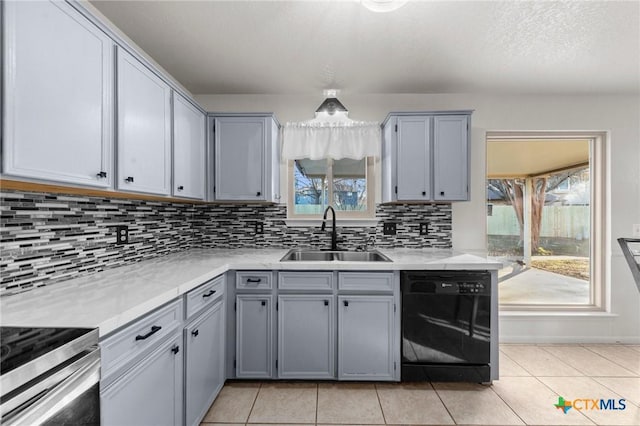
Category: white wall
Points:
column 619, row 116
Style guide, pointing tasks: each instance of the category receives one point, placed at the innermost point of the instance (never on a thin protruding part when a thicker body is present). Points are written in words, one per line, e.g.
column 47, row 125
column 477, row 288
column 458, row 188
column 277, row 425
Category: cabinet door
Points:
column 204, row 362
column 450, row 157
column 254, row 336
column 144, row 128
column 306, row 337
column 365, row 338
column 188, row 149
column 240, row 162
column 150, row 394
column 58, row 74
column 414, row 158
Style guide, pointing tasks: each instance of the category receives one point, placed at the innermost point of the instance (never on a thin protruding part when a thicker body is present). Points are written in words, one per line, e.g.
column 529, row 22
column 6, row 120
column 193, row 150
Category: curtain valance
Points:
column 336, row 140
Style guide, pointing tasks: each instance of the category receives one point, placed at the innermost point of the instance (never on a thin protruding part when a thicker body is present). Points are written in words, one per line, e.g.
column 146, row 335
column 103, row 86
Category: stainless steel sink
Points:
column 310, row 255
column 361, row 256
column 296, row 255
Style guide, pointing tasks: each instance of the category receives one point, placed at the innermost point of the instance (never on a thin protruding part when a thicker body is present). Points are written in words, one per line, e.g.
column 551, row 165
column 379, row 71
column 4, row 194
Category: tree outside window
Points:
column 343, row 184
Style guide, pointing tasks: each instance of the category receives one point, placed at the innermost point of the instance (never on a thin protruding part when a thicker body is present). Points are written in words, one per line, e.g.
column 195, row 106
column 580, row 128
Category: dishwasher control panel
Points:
column 471, row 283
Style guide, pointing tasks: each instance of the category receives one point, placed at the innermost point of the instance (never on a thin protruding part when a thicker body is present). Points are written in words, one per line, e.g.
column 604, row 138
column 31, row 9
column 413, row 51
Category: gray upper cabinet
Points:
column 306, row 336
column 246, row 157
column 414, row 158
column 254, row 336
column 58, row 94
column 450, row 157
column 366, row 338
column 204, row 362
column 144, row 128
column 188, row 149
column 425, row 156
column 148, row 394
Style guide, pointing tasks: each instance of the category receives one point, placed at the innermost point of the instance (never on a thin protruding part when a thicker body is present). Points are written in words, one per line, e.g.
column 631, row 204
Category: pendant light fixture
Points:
column 382, row 6
column 331, row 104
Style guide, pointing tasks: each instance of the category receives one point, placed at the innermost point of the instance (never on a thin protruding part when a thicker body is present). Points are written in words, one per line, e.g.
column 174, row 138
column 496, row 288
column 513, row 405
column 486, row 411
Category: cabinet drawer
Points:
column 204, row 295
column 136, row 339
column 247, row 280
column 305, row 281
column 366, row 281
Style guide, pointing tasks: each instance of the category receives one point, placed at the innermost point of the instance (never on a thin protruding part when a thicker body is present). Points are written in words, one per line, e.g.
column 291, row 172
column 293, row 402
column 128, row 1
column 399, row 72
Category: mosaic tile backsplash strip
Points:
column 46, row 238
column 233, row 226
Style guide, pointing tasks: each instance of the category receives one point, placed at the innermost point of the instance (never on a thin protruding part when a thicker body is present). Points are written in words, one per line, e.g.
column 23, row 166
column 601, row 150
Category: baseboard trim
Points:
column 536, row 340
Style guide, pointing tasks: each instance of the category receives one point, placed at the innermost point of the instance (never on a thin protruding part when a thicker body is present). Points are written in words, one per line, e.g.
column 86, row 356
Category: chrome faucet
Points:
column 334, row 235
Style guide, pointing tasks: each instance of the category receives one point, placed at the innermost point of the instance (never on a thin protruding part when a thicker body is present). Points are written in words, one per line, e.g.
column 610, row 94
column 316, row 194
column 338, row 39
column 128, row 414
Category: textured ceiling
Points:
column 259, row 47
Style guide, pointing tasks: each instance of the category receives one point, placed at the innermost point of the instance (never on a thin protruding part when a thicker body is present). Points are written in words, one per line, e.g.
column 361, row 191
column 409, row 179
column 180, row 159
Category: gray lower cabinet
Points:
column 366, row 338
column 306, row 336
column 204, row 362
column 254, row 336
column 148, row 394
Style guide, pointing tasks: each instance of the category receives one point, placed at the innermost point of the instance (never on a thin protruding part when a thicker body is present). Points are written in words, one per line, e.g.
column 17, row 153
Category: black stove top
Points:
column 20, row 345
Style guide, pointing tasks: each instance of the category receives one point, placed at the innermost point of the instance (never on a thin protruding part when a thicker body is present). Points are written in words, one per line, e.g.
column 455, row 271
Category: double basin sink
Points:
column 310, row 255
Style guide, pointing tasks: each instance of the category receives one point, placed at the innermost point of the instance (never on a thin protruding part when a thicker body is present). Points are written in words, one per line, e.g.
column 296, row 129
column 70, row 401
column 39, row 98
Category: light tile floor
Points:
column 532, row 377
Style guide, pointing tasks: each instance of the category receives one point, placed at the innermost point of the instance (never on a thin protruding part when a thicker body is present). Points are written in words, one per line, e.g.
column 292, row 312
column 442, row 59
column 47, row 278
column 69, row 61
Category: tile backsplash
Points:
column 46, row 238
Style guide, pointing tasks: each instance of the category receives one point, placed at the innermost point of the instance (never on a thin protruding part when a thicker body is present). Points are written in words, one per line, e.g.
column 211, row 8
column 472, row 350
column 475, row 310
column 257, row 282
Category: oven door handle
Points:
column 86, row 374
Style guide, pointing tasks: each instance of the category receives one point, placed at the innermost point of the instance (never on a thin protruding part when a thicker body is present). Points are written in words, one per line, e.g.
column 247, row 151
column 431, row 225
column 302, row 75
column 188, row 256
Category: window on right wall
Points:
column 545, row 219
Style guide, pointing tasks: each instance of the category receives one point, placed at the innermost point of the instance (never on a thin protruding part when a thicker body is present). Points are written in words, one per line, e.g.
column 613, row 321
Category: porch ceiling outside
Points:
column 520, row 158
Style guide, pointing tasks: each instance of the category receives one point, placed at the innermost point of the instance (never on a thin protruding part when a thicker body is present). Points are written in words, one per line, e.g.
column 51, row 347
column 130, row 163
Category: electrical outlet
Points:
column 389, row 228
column 424, row 228
column 636, row 230
column 122, row 234
column 259, row 228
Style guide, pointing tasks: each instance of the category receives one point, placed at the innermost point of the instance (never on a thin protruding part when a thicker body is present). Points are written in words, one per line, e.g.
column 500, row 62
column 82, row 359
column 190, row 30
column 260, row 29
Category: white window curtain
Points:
column 342, row 139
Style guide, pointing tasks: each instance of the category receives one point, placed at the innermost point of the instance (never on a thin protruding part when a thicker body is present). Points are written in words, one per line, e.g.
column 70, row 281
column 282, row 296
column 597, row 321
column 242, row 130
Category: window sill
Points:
column 343, row 223
column 556, row 314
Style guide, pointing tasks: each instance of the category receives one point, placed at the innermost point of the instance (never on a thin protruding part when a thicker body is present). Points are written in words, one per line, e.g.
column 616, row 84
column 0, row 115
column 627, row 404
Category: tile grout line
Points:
column 507, row 404
column 558, row 360
column 317, row 400
column 375, row 387
column 542, row 348
column 633, row 374
column 253, row 404
column 443, row 404
column 515, row 362
column 612, row 390
column 609, row 359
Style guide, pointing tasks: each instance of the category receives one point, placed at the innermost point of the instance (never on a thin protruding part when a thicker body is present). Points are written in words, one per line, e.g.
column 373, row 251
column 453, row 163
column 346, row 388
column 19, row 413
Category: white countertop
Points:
column 112, row 298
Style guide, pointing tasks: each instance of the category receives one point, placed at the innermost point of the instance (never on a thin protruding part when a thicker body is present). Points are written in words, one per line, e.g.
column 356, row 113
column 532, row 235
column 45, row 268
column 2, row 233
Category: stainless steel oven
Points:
column 49, row 376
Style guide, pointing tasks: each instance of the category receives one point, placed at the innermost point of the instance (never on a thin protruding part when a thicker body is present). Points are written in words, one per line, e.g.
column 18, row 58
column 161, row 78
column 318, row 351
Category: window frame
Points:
column 599, row 268
column 370, row 177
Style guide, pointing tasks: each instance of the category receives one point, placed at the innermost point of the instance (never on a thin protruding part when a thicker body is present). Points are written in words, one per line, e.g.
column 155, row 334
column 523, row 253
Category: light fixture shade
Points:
column 383, row 5
column 331, row 105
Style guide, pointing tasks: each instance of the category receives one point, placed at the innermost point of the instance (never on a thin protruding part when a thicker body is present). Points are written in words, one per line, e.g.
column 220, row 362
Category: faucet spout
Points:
column 334, row 234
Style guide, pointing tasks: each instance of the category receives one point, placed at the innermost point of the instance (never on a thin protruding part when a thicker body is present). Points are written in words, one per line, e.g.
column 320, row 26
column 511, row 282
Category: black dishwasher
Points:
column 446, row 325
